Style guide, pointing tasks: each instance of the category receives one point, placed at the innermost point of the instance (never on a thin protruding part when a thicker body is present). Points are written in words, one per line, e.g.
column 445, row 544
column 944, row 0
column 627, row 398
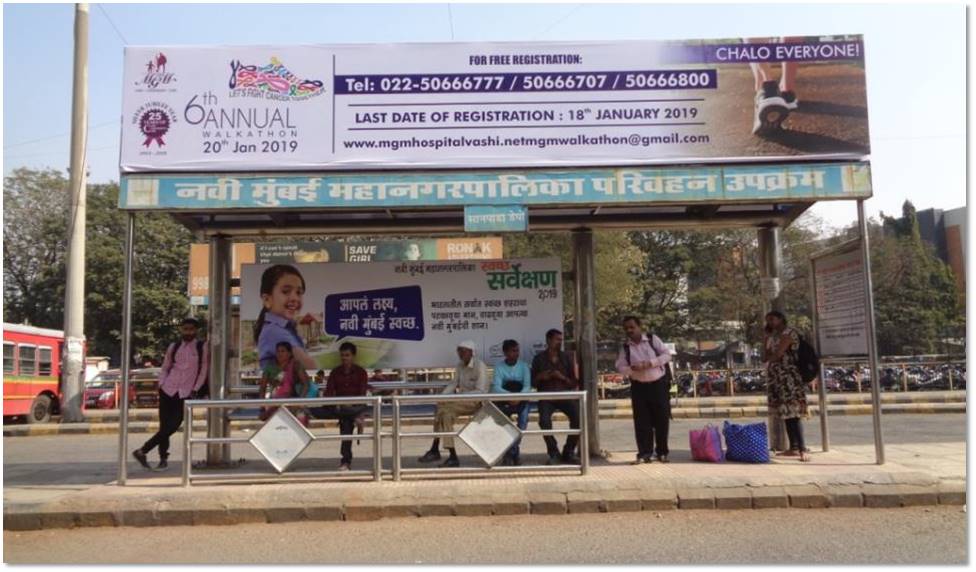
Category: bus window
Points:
column 26, row 359
column 8, row 358
column 44, row 361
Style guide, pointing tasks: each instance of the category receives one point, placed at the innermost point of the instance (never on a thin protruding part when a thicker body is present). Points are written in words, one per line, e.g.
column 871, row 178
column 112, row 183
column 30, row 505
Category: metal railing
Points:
column 373, row 385
column 578, row 396
column 189, row 440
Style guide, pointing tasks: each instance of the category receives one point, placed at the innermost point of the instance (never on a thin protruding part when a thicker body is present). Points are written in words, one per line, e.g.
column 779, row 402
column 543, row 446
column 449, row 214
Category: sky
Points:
column 915, row 62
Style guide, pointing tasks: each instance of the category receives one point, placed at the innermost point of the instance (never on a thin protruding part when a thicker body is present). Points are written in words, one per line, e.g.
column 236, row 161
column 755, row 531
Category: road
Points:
column 934, row 535
column 91, row 459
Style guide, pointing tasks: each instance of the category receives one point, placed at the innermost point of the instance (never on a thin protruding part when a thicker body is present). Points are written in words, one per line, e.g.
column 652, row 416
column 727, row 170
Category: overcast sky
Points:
column 915, row 56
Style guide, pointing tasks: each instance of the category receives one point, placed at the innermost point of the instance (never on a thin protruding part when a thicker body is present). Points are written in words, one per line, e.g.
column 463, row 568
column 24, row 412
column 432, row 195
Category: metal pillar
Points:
column 770, row 262
column 218, row 337
column 126, row 357
column 822, row 383
column 585, row 329
column 862, row 224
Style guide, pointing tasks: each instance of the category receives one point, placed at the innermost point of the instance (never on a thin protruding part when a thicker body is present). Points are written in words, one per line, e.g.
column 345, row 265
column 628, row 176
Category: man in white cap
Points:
column 470, row 376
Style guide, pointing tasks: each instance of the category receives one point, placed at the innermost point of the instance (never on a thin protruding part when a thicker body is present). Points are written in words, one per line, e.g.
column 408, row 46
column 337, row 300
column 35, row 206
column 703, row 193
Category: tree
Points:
column 617, row 265
column 35, row 242
column 916, row 303
column 34, row 247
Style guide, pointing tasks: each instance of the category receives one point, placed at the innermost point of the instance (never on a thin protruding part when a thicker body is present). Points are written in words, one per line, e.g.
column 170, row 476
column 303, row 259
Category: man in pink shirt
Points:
column 183, row 373
column 644, row 360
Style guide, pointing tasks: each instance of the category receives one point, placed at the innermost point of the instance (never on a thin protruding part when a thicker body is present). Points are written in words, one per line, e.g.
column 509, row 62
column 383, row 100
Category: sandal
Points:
column 804, row 458
column 788, row 453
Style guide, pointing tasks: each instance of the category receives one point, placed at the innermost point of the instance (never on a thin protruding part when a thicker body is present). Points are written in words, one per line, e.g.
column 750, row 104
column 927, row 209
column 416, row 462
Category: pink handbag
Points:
column 706, row 444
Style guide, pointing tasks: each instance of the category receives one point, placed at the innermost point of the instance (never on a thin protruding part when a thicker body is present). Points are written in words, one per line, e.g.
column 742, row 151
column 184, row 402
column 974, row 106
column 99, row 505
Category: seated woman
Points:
column 287, row 378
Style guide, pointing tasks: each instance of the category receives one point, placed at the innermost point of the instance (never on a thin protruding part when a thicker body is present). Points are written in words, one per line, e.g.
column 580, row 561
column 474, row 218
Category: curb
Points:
column 359, row 505
column 620, row 412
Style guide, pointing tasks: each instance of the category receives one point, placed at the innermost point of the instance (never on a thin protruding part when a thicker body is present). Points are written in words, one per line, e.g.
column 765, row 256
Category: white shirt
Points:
column 471, row 378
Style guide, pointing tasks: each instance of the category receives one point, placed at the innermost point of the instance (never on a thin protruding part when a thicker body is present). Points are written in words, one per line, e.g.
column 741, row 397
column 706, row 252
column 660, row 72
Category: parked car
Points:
column 100, row 392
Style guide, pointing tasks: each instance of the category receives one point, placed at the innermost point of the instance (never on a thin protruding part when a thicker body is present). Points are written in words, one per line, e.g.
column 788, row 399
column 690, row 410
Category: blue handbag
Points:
column 746, row 443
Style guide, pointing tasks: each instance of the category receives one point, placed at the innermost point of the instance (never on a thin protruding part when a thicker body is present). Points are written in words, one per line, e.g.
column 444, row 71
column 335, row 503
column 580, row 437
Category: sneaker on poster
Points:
column 771, row 109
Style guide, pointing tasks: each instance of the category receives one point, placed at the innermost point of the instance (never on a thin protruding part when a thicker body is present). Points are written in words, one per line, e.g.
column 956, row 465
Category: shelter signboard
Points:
column 412, row 314
column 802, row 182
column 484, row 105
column 841, row 311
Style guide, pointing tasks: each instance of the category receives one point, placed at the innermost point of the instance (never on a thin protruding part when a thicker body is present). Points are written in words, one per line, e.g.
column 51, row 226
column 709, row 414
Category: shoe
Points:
column 516, row 461
column 792, row 102
column 571, row 459
column 640, row 460
column 430, row 457
column 451, row 462
column 163, row 465
column 661, row 459
column 771, row 109
column 344, row 467
column 141, row 457
column 554, row 459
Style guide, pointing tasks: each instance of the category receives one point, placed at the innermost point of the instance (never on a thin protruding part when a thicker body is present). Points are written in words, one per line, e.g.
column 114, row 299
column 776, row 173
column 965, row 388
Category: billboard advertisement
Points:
column 408, row 314
column 291, row 252
column 492, row 105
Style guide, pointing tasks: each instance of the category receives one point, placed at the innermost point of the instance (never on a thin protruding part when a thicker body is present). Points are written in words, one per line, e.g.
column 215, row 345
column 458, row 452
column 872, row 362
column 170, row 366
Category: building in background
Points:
column 946, row 232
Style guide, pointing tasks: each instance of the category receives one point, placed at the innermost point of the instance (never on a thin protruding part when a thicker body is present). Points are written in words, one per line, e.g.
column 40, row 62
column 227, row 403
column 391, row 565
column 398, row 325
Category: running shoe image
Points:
column 771, row 109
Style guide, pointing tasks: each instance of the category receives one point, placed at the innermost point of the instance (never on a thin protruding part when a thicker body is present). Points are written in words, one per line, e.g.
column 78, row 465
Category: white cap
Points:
column 467, row 344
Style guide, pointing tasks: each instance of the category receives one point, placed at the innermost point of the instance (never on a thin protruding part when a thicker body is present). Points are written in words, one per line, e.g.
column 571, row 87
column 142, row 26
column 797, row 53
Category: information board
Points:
column 839, row 301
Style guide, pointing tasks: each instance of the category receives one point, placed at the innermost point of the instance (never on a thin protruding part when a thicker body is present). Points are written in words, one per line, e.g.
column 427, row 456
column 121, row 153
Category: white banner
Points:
column 277, row 108
column 406, row 314
column 840, row 305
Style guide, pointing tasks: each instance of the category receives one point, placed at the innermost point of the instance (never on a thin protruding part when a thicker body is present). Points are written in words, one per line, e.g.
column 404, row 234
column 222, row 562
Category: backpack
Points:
column 807, row 361
column 205, row 388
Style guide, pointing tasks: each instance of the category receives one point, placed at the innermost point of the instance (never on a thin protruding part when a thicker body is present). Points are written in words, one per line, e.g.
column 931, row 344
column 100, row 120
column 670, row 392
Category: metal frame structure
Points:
column 579, row 396
column 189, row 440
column 221, row 226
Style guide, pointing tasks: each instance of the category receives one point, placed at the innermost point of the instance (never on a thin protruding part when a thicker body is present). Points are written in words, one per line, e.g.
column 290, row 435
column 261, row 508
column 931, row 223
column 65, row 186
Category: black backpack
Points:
column 807, row 361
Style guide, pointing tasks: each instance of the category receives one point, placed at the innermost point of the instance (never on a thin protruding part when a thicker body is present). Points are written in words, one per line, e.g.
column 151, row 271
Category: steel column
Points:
column 126, row 357
column 585, row 330
column 822, row 385
column 862, row 224
column 219, row 342
column 770, row 262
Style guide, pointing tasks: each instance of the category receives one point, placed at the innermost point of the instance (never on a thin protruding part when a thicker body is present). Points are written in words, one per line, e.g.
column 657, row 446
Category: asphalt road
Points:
column 935, row 535
column 91, row 459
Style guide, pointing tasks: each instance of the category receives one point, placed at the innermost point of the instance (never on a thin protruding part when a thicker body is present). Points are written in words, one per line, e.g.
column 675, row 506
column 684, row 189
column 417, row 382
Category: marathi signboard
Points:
column 487, row 105
column 839, row 301
column 803, row 182
column 496, row 219
column 413, row 314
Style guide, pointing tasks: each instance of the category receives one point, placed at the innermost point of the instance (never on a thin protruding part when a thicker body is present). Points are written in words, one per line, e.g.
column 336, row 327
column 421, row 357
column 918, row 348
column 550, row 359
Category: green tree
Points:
column 35, row 243
column 916, row 303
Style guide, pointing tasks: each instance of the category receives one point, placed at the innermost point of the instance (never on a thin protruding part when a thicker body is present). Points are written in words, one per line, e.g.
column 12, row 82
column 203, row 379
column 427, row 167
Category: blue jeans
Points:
column 521, row 409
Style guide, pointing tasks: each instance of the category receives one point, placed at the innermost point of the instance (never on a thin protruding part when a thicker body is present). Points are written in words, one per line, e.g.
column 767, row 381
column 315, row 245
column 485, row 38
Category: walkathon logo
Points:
column 271, row 81
column 157, row 76
column 154, row 120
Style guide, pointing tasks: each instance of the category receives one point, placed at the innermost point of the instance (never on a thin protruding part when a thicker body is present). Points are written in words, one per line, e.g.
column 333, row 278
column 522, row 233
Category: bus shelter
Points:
column 464, row 142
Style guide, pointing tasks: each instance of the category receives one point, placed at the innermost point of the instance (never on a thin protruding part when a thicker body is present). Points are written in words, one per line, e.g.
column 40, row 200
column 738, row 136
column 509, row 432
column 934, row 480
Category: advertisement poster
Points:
column 840, row 304
column 484, row 105
column 411, row 314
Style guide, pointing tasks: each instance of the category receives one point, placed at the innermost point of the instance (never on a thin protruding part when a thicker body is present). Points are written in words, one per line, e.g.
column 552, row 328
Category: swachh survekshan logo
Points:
column 271, row 81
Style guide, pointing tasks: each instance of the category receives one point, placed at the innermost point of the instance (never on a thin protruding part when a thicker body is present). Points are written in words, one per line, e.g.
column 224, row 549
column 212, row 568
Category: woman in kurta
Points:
column 785, row 388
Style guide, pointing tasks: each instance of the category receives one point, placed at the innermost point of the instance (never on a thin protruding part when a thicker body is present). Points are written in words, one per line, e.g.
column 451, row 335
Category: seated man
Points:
column 347, row 380
column 470, row 376
column 512, row 375
column 554, row 370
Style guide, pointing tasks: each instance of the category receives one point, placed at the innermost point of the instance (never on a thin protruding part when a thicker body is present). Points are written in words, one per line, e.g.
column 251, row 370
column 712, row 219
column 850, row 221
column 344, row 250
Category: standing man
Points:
column 644, row 360
column 513, row 375
column 553, row 370
column 183, row 373
column 470, row 376
column 347, row 380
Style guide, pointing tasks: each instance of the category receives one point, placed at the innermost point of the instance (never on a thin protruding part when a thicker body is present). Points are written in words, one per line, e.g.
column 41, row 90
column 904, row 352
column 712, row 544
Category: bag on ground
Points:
column 746, row 443
column 706, row 444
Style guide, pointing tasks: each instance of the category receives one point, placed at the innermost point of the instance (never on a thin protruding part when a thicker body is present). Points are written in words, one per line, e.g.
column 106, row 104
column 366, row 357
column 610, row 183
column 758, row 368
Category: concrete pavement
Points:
column 67, row 487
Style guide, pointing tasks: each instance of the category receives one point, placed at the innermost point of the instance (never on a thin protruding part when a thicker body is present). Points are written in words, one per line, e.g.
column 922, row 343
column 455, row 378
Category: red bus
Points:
column 31, row 371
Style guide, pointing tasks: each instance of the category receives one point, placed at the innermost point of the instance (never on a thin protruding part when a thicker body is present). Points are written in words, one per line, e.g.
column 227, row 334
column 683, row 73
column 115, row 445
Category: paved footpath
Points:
column 73, row 486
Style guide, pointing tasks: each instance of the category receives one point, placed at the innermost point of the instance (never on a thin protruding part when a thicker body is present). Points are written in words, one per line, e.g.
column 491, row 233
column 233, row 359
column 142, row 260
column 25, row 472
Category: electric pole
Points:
column 74, row 298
